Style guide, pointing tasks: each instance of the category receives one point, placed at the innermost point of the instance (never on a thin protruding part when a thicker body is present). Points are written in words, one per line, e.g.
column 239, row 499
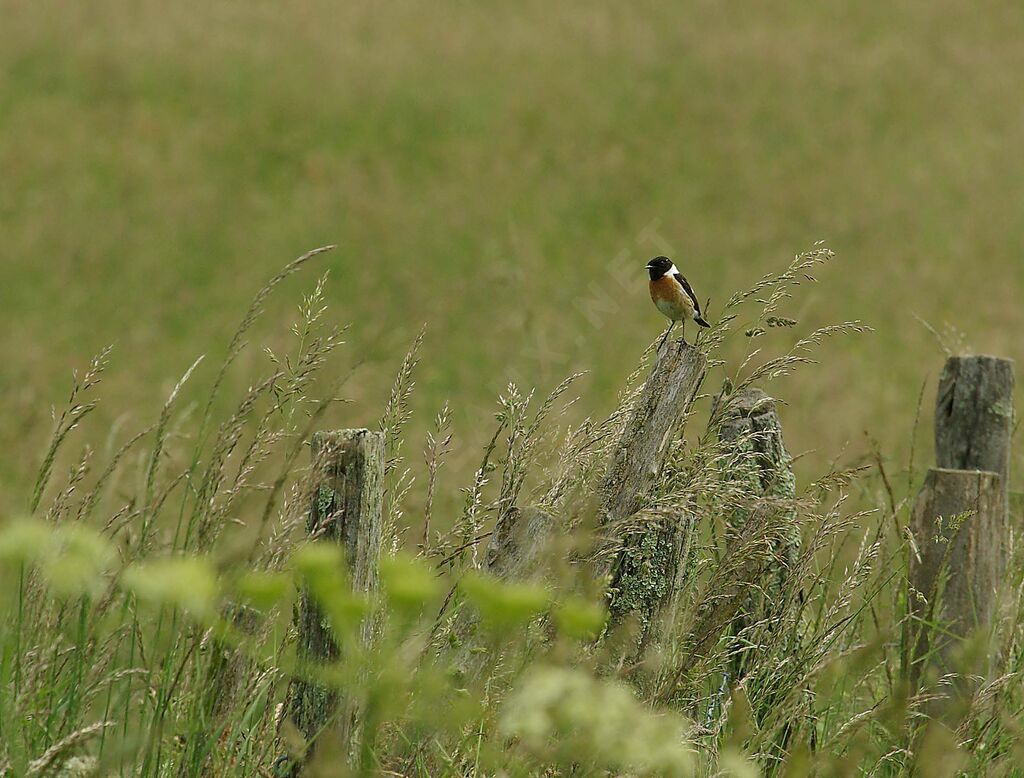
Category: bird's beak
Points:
column 647, row 266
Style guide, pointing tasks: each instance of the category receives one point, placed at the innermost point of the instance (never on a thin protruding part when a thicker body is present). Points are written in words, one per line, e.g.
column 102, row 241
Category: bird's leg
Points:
column 682, row 333
column 667, row 333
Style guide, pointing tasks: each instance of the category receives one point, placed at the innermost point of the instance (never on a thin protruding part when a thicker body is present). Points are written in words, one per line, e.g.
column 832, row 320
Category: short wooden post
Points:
column 346, row 508
column 226, row 670
column 647, row 549
column 519, row 544
column 757, row 462
column 751, row 434
column 740, row 570
column 519, row 551
column 756, row 457
column 959, row 522
column 974, row 415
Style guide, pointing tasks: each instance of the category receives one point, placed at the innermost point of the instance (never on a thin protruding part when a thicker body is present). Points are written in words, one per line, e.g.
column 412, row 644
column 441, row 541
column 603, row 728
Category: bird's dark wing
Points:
column 689, row 291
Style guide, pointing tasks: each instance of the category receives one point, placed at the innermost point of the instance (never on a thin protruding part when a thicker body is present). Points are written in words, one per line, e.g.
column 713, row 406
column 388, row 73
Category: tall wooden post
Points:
column 347, row 508
column 657, row 418
column 649, row 547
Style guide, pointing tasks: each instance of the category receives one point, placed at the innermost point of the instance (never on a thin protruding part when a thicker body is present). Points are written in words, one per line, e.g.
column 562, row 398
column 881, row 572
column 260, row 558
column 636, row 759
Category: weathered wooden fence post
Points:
column 642, row 565
column 658, row 416
column 974, row 415
column 757, row 462
column 518, row 545
column 347, row 508
column 647, row 547
column 516, row 553
column 762, row 533
column 751, row 434
column 960, row 520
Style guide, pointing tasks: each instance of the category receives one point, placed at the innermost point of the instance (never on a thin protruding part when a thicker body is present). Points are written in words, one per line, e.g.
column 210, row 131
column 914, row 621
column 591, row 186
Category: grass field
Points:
column 490, row 171
column 498, row 174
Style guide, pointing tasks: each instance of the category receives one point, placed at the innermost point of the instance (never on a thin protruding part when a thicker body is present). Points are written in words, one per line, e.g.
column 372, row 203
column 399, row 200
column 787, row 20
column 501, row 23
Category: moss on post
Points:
column 756, row 460
column 647, row 574
column 758, row 472
column 346, row 507
column 647, row 548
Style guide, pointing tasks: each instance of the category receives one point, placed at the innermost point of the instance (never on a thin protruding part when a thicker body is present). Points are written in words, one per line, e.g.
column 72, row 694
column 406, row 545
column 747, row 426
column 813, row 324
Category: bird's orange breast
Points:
column 670, row 298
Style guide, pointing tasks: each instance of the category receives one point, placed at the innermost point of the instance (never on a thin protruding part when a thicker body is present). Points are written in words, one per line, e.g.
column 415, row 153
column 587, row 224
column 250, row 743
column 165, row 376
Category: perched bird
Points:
column 673, row 295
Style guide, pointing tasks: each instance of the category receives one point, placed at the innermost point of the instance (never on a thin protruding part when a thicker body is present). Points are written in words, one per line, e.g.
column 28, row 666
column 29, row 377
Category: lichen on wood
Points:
column 346, row 507
column 756, row 460
column 757, row 471
column 645, row 547
column 647, row 573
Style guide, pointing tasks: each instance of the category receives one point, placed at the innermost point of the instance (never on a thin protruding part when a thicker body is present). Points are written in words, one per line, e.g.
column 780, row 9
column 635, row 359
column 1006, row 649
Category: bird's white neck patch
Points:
column 672, row 271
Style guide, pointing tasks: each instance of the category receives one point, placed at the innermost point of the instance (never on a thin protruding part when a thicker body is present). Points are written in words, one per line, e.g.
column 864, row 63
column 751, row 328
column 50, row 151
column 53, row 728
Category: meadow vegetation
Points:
column 495, row 178
column 148, row 599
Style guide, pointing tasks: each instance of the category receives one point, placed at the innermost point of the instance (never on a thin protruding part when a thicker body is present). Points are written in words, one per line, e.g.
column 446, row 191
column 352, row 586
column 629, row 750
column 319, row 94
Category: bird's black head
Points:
column 658, row 266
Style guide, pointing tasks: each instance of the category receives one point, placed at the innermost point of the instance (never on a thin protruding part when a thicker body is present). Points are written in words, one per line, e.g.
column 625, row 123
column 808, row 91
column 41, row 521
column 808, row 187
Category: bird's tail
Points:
column 700, row 321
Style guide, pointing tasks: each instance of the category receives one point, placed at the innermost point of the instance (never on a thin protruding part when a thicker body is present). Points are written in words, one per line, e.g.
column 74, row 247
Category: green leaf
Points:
column 408, row 583
column 188, row 583
column 580, row 619
column 504, row 604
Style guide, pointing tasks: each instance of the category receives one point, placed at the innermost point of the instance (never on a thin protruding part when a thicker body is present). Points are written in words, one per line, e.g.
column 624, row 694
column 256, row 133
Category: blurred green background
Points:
column 501, row 172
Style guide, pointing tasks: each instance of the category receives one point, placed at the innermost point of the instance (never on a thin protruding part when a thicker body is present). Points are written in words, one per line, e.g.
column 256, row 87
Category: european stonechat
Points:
column 673, row 295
